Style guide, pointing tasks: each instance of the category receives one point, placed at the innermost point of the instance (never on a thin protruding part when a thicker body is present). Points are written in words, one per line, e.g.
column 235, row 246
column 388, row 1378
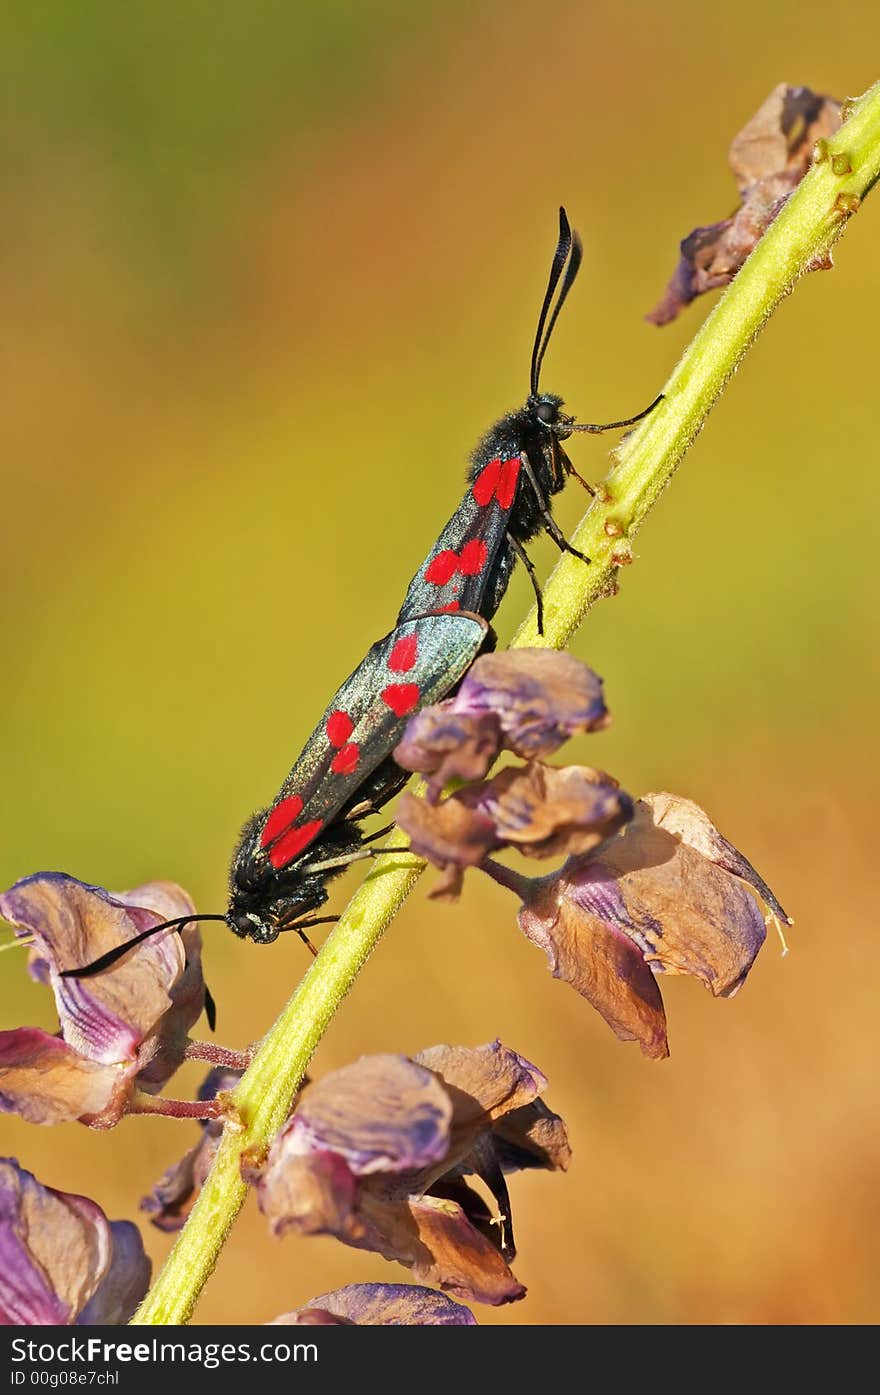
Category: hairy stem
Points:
column 643, row 465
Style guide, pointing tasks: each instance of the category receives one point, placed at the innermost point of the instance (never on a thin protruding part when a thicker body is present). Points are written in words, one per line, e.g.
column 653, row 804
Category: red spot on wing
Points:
column 497, row 480
column 473, row 557
column 453, row 605
column 345, row 762
column 401, row 697
column 291, row 843
column 281, row 816
column 469, row 562
column 508, row 481
column 485, row 484
column 339, row 728
column 403, row 655
column 442, row 568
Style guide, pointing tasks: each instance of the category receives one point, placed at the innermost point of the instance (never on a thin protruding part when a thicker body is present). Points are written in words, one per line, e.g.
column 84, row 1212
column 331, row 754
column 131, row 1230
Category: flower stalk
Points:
column 802, row 236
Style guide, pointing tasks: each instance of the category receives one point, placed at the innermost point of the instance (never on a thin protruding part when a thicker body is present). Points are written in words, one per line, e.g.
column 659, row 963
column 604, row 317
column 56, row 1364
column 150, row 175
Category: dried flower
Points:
column 541, row 810
column 529, row 701
column 769, row 158
column 120, row 1031
column 377, row 1154
column 669, row 894
column 379, row 1305
column 61, row 1260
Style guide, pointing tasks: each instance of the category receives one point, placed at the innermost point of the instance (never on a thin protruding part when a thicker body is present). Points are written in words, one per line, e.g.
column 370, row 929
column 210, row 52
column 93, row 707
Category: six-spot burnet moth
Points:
column 288, row 852
column 516, row 467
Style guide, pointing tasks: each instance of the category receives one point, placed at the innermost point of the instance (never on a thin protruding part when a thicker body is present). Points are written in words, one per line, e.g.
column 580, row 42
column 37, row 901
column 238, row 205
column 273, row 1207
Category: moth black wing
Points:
column 470, row 564
column 416, row 664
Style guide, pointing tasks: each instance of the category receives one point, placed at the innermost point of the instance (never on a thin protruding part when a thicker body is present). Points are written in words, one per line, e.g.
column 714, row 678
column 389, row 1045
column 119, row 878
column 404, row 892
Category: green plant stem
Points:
column 643, row 464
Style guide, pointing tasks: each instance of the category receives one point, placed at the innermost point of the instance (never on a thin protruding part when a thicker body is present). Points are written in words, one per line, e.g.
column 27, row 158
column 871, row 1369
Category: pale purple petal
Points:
column 385, row 1305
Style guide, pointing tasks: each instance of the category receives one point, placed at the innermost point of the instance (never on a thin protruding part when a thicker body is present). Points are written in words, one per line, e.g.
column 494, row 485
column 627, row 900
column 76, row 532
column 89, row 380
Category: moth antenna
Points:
column 596, row 429
column 568, row 249
column 105, row 961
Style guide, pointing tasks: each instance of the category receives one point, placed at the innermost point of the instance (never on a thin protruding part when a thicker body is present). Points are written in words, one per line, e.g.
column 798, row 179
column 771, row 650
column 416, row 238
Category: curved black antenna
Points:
column 104, row 961
column 571, row 271
column 596, row 429
column 568, row 245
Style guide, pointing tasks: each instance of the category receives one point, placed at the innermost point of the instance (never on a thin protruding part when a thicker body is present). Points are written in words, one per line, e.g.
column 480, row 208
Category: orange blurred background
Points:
column 265, row 280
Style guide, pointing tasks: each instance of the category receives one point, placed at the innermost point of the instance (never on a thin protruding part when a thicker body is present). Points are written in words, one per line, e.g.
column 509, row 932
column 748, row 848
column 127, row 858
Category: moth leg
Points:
column 550, row 524
column 561, row 541
column 299, row 927
column 380, row 833
column 573, row 474
column 383, row 785
column 533, row 577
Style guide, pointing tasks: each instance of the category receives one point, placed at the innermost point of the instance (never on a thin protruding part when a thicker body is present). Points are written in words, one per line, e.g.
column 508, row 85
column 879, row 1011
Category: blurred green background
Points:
column 266, row 276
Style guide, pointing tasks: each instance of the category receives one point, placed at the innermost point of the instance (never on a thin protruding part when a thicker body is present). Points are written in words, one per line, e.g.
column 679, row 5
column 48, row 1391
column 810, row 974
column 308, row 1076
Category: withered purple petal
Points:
column 383, row 1113
column 125, row 1282
column 47, row 1082
column 549, row 811
column 447, row 745
column 311, row 1194
column 599, row 960
column 687, row 821
column 686, row 913
column 106, row 1017
column 132, row 1019
column 541, row 697
column 57, row 1252
column 483, row 1081
column 448, row 834
column 386, row 1305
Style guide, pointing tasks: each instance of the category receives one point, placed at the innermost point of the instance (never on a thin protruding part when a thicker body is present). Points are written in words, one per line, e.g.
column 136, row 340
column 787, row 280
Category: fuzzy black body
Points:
column 525, row 434
column 288, row 852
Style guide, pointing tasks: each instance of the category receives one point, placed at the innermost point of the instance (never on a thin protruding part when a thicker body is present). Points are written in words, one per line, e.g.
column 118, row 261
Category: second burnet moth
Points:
column 289, row 851
column 515, row 469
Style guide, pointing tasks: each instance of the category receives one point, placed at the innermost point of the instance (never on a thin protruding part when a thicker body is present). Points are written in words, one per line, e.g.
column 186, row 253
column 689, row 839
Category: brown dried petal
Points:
column 541, row 697
column 600, row 962
column 688, row 822
column 384, row 1113
column 782, row 133
column 485, row 1082
column 433, row 1238
column 309, row 1193
column 448, row 834
column 769, row 158
column 46, row 1082
column 550, row 811
column 532, row 1136
column 688, row 914
column 382, row 1305
column 448, row 745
